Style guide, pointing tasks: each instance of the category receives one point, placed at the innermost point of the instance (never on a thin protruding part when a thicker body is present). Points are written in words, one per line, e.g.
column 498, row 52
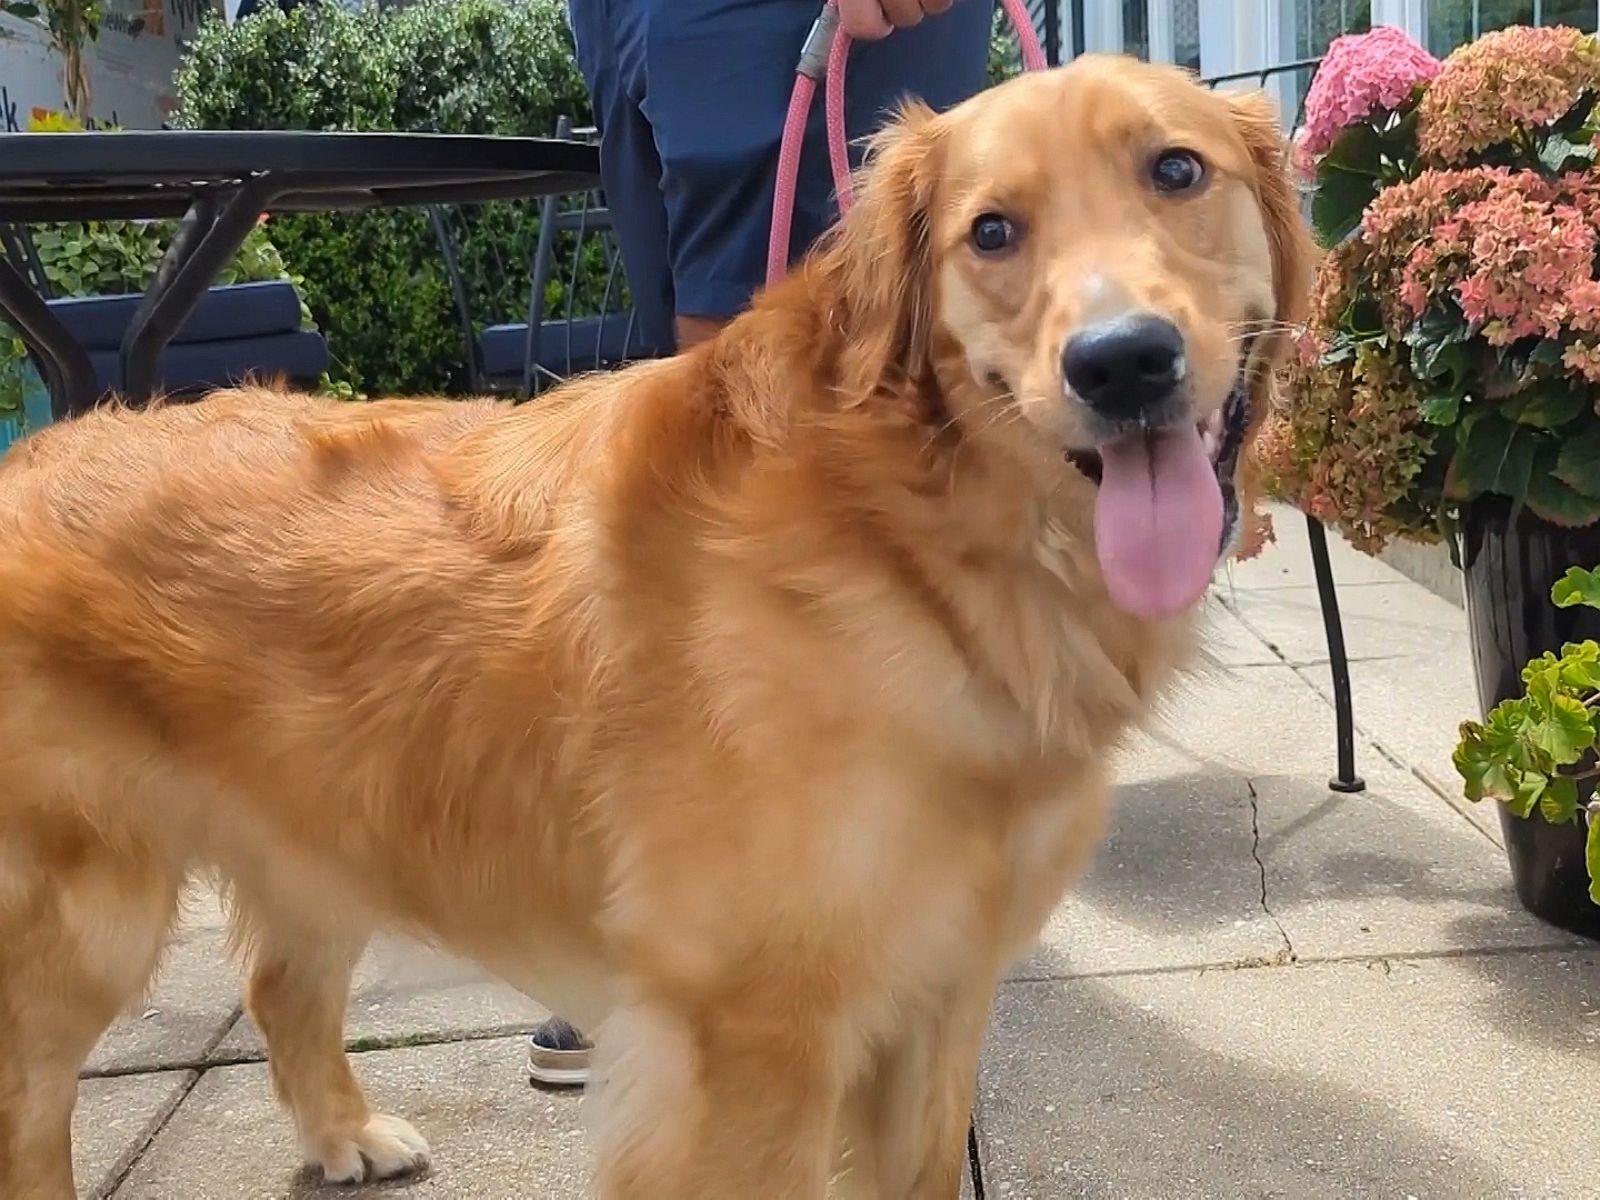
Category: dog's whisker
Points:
column 996, row 406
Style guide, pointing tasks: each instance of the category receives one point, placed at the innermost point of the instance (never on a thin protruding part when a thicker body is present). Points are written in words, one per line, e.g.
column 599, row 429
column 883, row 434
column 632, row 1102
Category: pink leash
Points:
column 823, row 57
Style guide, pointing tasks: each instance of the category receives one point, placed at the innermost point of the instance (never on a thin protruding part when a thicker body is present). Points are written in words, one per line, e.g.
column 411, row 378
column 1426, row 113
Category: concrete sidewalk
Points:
column 1262, row 989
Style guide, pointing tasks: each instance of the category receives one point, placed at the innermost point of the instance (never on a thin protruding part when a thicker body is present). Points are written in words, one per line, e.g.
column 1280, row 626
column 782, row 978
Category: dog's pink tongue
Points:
column 1158, row 521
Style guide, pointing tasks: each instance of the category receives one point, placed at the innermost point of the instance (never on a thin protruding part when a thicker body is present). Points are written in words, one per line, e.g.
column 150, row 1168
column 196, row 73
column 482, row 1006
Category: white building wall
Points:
column 130, row 67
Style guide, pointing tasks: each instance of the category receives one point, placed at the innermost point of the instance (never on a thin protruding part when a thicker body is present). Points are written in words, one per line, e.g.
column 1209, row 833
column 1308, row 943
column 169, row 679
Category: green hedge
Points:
column 375, row 282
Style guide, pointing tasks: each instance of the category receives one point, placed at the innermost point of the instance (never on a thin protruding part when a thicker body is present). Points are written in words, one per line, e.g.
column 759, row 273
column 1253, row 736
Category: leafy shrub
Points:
column 376, row 281
column 313, row 67
column 486, row 66
column 1005, row 51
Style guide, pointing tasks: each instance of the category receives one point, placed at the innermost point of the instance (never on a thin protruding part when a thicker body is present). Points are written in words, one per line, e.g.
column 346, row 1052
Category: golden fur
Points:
column 749, row 707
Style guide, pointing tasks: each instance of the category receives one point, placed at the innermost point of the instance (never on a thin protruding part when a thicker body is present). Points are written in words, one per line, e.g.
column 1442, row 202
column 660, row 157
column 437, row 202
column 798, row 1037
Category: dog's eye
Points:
column 1176, row 171
column 992, row 233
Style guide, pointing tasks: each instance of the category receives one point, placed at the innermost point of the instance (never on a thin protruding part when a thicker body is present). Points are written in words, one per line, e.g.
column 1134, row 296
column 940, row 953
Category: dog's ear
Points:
column 878, row 259
column 1293, row 253
column 1294, row 259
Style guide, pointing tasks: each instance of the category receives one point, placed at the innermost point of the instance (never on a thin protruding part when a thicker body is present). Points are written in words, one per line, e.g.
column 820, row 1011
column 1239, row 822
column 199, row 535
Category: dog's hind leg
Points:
column 298, row 988
column 82, row 924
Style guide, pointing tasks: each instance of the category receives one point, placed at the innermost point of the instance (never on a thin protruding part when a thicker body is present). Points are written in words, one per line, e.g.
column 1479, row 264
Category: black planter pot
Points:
column 1508, row 569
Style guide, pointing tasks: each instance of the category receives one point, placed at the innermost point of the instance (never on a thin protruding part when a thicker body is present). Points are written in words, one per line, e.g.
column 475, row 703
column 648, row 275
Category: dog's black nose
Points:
column 1125, row 367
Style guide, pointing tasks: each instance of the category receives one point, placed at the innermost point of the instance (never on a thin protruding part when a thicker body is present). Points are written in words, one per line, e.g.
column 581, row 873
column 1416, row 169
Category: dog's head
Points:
column 1096, row 268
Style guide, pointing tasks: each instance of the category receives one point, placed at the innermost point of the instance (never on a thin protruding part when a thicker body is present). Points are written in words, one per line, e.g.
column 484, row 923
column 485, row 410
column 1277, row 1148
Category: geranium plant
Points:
column 1536, row 752
column 1453, row 349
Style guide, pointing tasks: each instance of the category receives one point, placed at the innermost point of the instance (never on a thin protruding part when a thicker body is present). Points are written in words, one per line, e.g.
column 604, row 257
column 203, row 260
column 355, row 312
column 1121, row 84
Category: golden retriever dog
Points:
column 751, row 707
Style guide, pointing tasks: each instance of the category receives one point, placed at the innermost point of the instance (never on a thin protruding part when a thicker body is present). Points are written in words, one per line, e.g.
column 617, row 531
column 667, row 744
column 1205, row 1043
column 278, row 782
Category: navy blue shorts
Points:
column 690, row 98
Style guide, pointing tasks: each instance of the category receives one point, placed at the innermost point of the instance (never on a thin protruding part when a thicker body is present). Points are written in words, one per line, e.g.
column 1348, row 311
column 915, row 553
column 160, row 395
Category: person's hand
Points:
column 869, row 20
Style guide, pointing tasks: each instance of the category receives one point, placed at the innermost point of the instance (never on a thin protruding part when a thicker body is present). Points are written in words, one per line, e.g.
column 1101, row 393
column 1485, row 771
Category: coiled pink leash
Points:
column 823, row 58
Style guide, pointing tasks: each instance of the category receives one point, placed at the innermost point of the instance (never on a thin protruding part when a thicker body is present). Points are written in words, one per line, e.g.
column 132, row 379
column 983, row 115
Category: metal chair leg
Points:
column 62, row 362
column 1346, row 780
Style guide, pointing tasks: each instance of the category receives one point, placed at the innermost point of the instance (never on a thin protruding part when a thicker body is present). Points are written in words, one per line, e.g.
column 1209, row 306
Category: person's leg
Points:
column 718, row 74
column 610, row 50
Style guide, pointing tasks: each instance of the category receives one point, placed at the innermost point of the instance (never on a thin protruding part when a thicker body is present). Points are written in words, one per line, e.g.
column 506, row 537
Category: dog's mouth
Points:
column 1167, row 506
column 1222, row 434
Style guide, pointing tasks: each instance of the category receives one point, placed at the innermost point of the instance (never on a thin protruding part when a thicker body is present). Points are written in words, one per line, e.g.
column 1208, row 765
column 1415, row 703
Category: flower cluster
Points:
column 1350, row 448
column 1452, row 349
column 1502, row 88
column 1515, row 250
column 1362, row 75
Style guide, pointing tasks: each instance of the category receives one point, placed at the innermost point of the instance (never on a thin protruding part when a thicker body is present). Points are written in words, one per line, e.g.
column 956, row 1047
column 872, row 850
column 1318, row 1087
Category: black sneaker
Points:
column 558, row 1055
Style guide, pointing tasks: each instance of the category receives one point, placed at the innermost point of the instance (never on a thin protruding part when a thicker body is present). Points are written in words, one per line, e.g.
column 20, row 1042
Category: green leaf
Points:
column 1565, row 734
column 1578, row 464
column 25, row 9
column 1546, row 405
column 1508, row 737
column 1479, row 759
column 1547, row 353
column 1551, row 499
column 1527, row 793
column 1441, row 408
column 1438, row 351
column 1443, row 322
column 1591, row 857
column 1577, row 586
column 1473, row 760
column 1559, row 804
column 1574, row 119
column 1494, row 455
column 1440, row 362
column 1341, row 197
column 1542, row 679
column 1580, row 666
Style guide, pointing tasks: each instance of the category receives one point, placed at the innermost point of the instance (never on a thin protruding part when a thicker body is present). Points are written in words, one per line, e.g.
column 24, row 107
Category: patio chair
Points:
column 578, row 317
column 237, row 331
column 1345, row 778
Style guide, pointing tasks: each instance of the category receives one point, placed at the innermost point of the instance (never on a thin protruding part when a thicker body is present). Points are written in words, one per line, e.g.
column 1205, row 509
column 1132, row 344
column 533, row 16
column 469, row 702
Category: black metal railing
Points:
column 1300, row 71
column 1345, row 778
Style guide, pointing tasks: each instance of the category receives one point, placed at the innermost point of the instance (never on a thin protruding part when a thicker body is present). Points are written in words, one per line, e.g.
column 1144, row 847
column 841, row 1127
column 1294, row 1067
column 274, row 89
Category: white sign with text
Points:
column 130, row 67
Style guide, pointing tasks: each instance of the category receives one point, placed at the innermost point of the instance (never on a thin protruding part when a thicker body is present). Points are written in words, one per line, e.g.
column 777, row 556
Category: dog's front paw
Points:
column 381, row 1149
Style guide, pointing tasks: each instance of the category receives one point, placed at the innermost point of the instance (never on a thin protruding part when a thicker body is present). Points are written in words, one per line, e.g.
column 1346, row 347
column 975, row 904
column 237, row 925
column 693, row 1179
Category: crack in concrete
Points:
column 1288, row 954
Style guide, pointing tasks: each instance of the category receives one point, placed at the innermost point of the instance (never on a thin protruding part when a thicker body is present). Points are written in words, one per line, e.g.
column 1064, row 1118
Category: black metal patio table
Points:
column 218, row 185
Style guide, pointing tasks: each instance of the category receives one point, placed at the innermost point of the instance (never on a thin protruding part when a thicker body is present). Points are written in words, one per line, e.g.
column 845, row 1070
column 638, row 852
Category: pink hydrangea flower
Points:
column 1506, row 84
column 1362, row 74
column 1516, row 250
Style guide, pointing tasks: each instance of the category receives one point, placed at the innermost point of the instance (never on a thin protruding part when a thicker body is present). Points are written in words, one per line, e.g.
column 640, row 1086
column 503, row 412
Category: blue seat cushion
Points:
column 198, row 366
column 238, row 310
column 564, row 347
